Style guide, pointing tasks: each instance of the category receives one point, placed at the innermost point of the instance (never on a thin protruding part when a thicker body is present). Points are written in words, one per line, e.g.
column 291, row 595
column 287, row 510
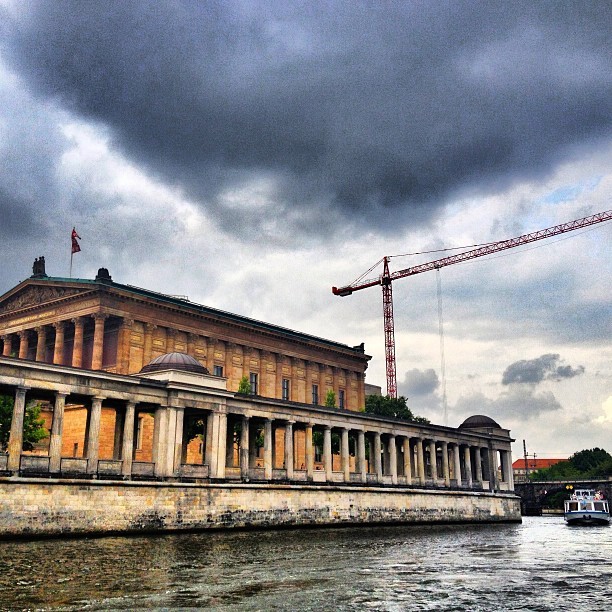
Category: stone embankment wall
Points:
column 60, row 507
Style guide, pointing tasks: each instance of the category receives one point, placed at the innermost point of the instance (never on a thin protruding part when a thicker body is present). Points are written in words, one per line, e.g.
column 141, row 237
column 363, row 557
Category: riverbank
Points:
column 56, row 507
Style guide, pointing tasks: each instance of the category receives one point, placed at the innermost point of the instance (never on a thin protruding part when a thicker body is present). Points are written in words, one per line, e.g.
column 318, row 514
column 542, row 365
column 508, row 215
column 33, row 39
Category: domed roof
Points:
column 477, row 421
column 175, row 361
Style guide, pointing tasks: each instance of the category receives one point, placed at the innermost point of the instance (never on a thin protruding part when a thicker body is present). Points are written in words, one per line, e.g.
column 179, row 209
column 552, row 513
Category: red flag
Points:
column 75, row 245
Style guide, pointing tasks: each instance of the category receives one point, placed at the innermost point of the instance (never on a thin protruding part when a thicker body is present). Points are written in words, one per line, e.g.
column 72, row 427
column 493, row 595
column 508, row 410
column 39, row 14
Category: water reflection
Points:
column 510, row 567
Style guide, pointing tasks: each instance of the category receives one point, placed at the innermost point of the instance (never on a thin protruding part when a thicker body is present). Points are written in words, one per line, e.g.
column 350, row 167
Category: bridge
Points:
column 535, row 494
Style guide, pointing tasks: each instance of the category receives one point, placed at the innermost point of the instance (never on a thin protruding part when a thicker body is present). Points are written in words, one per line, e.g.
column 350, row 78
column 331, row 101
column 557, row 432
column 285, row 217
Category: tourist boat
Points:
column 587, row 507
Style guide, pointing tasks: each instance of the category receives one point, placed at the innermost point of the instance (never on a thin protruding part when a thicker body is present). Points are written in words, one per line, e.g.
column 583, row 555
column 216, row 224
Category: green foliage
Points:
column 195, row 428
column 396, row 408
column 33, row 425
column 330, row 399
column 586, row 464
column 244, row 386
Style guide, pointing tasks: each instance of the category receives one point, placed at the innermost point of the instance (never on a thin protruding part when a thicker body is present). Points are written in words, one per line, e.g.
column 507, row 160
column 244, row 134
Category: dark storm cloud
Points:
column 534, row 371
column 361, row 109
column 17, row 218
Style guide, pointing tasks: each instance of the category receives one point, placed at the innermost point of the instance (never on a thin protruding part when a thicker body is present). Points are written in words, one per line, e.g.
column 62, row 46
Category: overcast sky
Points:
column 250, row 155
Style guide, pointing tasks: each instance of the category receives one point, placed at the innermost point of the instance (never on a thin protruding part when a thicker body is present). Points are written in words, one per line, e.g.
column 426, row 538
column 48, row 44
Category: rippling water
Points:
column 539, row 565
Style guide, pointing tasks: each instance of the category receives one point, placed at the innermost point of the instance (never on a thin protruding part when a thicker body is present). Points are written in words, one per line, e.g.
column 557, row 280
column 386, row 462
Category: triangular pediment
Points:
column 36, row 295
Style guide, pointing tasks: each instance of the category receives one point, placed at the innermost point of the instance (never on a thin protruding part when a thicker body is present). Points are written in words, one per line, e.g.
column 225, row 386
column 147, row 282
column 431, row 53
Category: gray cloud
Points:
column 419, row 383
column 515, row 403
column 347, row 112
column 534, row 371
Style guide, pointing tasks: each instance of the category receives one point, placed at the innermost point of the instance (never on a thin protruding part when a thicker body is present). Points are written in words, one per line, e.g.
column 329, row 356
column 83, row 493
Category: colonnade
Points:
column 241, row 441
column 87, row 342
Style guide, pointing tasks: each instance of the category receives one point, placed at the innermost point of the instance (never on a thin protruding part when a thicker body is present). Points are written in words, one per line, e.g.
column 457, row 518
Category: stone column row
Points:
column 58, row 346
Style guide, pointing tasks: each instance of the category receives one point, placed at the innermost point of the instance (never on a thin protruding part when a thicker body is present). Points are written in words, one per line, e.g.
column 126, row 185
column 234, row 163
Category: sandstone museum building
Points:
column 139, row 391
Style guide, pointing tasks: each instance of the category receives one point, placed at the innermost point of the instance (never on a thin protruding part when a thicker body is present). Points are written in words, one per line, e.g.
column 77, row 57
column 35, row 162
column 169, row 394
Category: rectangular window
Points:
column 218, row 370
column 253, row 381
column 286, row 389
column 315, row 394
column 341, row 398
column 139, row 433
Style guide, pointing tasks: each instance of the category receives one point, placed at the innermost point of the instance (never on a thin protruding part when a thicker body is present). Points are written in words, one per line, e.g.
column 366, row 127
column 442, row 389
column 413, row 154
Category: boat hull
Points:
column 587, row 518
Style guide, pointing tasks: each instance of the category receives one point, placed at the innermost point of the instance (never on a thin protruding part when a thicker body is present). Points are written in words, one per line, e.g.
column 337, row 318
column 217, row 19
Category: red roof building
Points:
column 518, row 467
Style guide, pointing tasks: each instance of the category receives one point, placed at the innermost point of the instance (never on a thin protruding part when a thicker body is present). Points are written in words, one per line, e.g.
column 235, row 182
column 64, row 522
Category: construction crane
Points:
column 387, row 277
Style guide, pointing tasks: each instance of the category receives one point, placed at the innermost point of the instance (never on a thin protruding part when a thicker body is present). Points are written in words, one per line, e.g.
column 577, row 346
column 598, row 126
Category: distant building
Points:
column 519, row 469
column 372, row 389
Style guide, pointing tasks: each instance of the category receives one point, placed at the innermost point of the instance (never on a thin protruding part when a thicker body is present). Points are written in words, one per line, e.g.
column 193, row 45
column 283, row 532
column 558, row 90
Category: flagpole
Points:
column 71, row 256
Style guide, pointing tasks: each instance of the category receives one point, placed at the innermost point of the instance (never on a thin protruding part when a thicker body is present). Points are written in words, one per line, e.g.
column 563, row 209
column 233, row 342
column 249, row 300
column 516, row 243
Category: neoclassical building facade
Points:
column 139, row 393
column 103, row 325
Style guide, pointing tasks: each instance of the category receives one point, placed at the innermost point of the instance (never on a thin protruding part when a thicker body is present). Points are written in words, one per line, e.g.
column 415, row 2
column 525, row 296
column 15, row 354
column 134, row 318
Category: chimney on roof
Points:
column 103, row 276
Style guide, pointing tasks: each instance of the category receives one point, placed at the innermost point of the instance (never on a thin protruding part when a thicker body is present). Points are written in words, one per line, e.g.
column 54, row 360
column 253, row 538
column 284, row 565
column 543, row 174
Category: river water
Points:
column 539, row 565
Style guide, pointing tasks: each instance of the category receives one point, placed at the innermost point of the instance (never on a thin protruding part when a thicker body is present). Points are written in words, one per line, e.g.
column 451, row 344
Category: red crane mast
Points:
column 386, row 279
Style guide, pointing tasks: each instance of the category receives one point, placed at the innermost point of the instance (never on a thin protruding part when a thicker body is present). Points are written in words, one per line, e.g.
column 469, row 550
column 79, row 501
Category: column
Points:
column 407, row 461
column 210, row 355
column 93, row 440
column 467, row 459
column 336, row 384
column 23, row 344
column 377, row 457
column 289, row 449
column 15, row 444
column 77, row 349
column 209, row 453
column 433, row 462
column 55, row 442
column 309, row 451
column 41, row 343
column 393, row 459
column 221, row 442
column 494, row 465
column 98, row 341
column 159, row 440
column 147, row 353
column 6, row 349
column 244, row 448
column 175, row 440
column 346, row 465
column 445, row 467
column 327, row 453
column 170, row 340
column 123, row 345
column 507, row 458
column 361, row 456
column 268, row 449
column 478, row 461
column 58, row 350
column 229, row 367
column 278, row 373
column 127, row 450
column 191, row 344
column 420, row 461
column 457, row 458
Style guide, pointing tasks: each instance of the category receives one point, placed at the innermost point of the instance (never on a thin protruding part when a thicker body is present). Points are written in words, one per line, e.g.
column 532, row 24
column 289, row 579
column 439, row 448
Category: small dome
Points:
column 175, row 361
column 479, row 420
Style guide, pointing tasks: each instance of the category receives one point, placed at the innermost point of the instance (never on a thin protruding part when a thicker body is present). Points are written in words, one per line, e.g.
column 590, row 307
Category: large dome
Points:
column 175, row 361
column 478, row 421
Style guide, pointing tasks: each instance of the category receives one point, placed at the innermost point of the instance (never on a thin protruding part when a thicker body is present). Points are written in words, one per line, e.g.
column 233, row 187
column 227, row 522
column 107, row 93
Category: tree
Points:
column 244, row 386
column 591, row 463
column 396, row 408
column 330, row 399
column 33, row 425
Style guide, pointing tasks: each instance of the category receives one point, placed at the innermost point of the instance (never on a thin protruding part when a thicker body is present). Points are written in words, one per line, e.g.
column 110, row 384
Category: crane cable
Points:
column 442, row 356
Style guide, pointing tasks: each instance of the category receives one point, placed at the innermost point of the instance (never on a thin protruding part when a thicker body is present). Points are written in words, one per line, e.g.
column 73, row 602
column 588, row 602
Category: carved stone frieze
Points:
column 33, row 296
